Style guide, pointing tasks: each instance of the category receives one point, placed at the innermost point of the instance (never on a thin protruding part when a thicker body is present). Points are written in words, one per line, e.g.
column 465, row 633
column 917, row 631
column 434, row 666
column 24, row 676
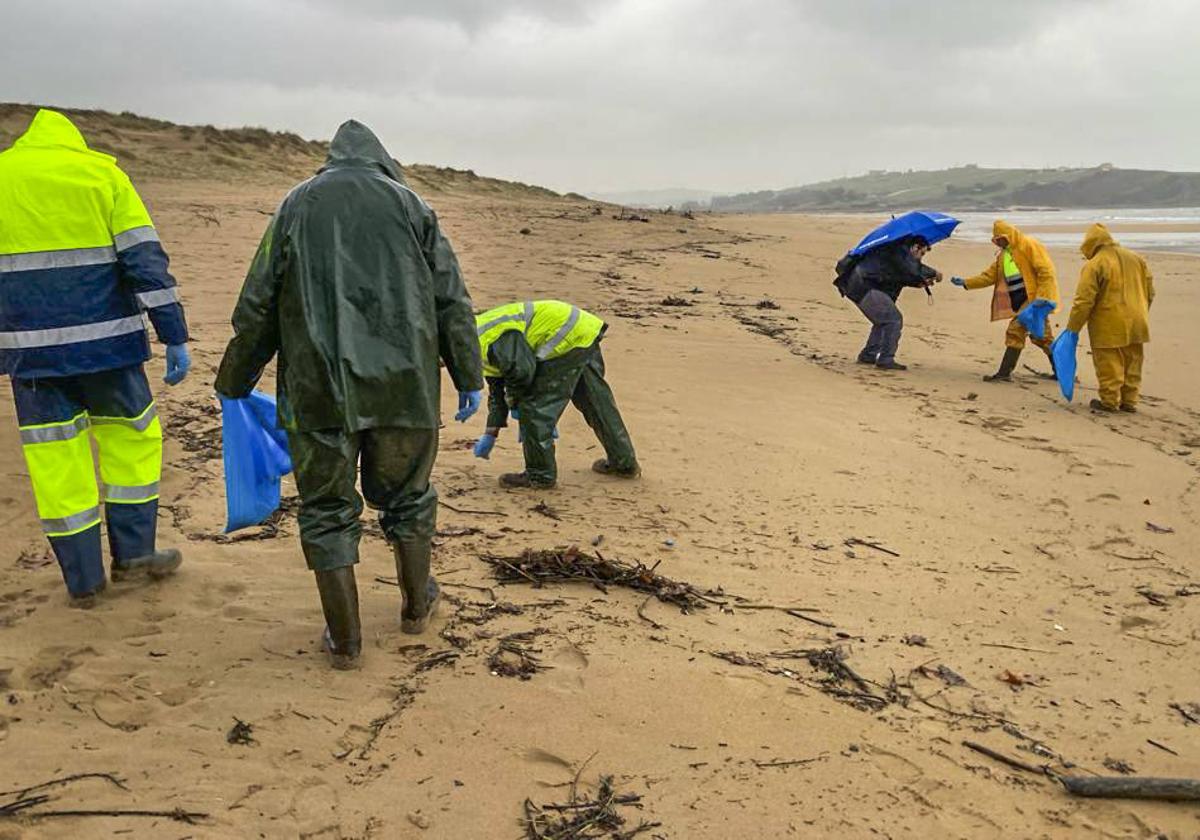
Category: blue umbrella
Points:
column 932, row 227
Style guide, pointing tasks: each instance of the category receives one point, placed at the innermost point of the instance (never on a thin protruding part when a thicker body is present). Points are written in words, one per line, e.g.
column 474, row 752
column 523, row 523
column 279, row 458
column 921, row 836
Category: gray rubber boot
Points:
column 1007, row 365
column 343, row 630
column 160, row 564
column 419, row 591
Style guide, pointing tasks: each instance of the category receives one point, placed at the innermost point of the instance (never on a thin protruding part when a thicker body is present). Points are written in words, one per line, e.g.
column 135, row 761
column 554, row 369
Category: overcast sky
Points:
column 590, row 95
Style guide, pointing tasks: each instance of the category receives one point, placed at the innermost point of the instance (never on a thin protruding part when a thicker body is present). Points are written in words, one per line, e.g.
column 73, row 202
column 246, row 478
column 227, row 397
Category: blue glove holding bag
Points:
column 179, row 362
column 484, row 446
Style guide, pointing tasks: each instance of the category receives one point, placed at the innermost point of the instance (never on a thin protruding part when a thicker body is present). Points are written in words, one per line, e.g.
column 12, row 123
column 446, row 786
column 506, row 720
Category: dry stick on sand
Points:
column 541, row 567
column 66, row 780
column 449, row 506
column 22, row 804
column 1004, row 759
column 580, row 819
column 853, row 541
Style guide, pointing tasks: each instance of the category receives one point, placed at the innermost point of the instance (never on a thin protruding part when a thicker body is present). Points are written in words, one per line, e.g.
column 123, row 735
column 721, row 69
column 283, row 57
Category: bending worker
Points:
column 358, row 291
column 1113, row 300
column 80, row 261
column 874, row 282
column 1021, row 273
column 537, row 357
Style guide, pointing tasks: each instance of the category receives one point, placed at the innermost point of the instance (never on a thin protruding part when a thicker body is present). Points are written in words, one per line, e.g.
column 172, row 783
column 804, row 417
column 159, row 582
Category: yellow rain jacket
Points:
column 1114, row 294
column 1034, row 263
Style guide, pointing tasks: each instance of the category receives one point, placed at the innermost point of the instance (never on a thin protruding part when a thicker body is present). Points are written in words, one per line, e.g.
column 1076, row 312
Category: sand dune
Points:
column 983, row 558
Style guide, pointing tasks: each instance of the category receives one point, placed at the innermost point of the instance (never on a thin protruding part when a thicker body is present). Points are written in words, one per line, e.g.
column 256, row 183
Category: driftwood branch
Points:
column 1170, row 790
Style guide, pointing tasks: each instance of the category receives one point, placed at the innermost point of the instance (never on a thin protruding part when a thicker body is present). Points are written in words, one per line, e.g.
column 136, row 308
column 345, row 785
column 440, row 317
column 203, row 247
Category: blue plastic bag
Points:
column 1033, row 317
column 1063, row 352
column 255, row 452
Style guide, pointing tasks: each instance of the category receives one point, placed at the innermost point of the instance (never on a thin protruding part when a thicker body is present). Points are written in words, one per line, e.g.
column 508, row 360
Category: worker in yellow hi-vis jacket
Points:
column 80, row 263
column 1021, row 273
column 537, row 357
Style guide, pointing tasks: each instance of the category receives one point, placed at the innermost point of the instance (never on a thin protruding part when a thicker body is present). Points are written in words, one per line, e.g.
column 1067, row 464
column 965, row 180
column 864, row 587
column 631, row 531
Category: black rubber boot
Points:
column 516, row 481
column 160, row 564
column 419, row 591
column 88, row 599
column 605, row 467
column 343, row 630
column 1007, row 365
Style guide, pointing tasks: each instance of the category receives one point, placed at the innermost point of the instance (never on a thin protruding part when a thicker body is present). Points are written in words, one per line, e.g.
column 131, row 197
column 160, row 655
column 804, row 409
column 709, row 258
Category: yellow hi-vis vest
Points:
column 1012, row 273
column 551, row 328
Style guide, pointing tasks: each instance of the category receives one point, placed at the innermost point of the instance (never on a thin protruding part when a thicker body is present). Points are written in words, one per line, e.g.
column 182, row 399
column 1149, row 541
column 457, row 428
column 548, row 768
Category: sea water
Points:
column 1173, row 222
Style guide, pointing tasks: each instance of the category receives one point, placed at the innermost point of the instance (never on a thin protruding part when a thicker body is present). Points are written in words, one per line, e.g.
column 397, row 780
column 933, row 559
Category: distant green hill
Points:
column 975, row 188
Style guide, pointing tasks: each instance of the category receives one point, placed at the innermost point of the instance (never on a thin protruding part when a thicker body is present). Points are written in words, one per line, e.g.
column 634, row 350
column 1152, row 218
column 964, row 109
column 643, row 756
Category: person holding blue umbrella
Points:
column 887, row 261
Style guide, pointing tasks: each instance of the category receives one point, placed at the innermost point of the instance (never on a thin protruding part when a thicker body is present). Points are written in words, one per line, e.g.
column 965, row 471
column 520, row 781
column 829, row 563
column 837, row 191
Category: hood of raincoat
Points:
column 1097, row 237
column 355, row 145
column 50, row 129
column 1008, row 231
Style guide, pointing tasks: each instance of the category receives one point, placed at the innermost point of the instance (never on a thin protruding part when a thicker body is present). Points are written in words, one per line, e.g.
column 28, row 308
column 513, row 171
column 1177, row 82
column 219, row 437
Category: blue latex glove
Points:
column 483, row 446
column 468, row 404
column 179, row 362
column 515, row 412
column 958, row 281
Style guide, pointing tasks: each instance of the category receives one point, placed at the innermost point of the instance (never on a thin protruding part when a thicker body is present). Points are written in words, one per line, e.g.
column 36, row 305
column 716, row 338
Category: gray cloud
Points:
column 587, row 94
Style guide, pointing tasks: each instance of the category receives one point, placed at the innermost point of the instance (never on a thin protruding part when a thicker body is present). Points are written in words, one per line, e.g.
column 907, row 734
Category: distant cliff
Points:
column 975, row 188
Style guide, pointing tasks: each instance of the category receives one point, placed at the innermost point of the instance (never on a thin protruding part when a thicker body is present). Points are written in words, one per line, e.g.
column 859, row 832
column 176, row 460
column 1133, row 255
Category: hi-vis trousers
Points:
column 58, row 417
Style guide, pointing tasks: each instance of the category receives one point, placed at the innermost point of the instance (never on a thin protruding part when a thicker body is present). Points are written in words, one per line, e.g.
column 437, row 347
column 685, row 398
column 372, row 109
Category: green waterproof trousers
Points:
column 395, row 464
column 577, row 377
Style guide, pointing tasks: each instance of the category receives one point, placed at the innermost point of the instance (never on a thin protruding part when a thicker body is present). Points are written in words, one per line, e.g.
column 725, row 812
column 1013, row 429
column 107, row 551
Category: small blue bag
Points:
column 1033, row 317
column 1063, row 352
column 255, row 453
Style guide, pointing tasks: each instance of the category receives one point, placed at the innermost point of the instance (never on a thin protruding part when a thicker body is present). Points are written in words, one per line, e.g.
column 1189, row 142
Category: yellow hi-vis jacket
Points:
column 1114, row 293
column 1029, row 258
column 550, row 327
column 80, row 260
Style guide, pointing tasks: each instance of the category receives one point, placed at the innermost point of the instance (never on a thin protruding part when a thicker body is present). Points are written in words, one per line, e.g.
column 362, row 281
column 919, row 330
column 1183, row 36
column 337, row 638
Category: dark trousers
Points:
column 577, row 377
column 886, row 325
column 395, row 464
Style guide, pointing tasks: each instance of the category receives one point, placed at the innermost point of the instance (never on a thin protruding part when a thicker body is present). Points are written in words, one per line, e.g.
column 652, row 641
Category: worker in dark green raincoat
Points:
column 537, row 357
column 360, row 294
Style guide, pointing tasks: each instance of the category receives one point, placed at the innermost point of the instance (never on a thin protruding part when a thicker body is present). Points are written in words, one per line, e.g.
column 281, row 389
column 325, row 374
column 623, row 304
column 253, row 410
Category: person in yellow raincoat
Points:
column 1113, row 300
column 1021, row 273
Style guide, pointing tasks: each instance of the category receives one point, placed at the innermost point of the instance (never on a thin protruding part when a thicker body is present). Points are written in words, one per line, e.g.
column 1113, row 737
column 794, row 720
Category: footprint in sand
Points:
column 52, row 664
column 117, row 711
column 567, row 663
column 16, row 606
column 1002, row 424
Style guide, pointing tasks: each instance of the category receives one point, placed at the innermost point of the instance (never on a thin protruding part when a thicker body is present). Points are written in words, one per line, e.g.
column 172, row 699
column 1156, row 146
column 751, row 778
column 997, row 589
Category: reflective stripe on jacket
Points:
column 551, row 328
column 80, row 260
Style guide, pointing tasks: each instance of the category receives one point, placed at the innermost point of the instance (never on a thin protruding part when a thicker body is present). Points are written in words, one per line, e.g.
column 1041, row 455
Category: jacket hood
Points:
column 356, row 145
column 1097, row 237
column 50, row 128
column 1008, row 231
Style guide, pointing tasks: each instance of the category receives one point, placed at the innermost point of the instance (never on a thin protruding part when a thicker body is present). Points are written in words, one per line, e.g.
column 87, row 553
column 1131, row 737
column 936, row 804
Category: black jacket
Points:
column 358, row 291
column 889, row 269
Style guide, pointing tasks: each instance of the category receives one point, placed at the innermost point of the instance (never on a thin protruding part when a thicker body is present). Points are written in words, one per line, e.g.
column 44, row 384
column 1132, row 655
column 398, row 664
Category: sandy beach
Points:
column 988, row 564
